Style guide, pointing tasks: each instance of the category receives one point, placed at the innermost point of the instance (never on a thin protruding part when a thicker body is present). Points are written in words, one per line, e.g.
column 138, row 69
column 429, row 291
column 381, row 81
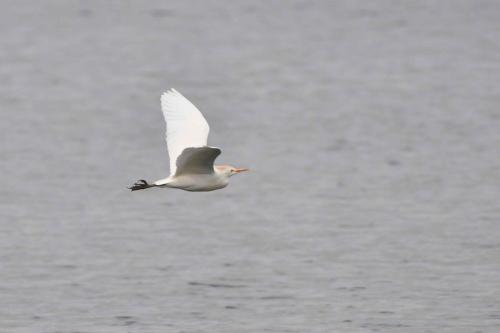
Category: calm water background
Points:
column 372, row 130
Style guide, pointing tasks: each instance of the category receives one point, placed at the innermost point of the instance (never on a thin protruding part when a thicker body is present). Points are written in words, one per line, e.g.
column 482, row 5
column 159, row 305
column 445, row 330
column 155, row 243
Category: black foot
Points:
column 141, row 184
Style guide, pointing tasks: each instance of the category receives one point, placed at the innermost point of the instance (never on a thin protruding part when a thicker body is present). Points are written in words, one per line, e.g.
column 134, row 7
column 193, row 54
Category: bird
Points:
column 191, row 159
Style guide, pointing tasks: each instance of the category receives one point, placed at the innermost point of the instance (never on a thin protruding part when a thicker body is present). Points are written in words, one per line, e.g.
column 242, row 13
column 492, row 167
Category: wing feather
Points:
column 198, row 160
column 186, row 126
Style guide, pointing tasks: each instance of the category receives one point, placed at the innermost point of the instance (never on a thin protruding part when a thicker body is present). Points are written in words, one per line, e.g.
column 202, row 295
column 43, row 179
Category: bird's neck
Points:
column 221, row 174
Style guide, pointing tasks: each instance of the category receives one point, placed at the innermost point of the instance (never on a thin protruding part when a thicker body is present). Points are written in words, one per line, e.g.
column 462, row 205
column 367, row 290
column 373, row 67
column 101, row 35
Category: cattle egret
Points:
column 191, row 160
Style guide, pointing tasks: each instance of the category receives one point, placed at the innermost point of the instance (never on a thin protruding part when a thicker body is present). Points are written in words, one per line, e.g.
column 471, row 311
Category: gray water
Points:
column 372, row 130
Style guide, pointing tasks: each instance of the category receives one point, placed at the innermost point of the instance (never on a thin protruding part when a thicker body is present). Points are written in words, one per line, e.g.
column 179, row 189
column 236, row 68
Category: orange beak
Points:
column 240, row 170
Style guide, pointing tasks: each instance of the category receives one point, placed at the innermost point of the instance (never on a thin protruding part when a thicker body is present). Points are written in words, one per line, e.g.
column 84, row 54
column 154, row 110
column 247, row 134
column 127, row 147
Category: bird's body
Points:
column 191, row 160
column 195, row 183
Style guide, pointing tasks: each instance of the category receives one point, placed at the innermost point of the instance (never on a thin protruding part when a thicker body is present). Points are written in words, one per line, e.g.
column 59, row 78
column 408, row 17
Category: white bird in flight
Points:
column 191, row 160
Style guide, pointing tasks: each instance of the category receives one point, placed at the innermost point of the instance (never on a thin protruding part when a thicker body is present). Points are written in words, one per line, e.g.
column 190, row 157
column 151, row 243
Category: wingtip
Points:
column 170, row 92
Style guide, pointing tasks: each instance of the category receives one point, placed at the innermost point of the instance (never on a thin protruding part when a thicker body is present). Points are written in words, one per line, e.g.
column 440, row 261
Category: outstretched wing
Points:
column 197, row 160
column 186, row 126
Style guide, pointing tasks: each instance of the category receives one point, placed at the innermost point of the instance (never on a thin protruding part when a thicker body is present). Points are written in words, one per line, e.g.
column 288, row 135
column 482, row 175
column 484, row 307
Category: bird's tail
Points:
column 141, row 184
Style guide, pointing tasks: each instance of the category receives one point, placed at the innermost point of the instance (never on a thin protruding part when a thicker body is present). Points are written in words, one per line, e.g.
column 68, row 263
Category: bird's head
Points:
column 228, row 170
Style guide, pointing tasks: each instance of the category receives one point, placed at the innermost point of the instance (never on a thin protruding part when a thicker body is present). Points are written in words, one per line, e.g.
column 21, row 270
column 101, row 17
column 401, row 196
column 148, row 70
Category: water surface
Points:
column 372, row 131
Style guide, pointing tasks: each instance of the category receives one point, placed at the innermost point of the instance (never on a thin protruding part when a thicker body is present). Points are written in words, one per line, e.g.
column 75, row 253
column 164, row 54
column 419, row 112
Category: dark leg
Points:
column 141, row 184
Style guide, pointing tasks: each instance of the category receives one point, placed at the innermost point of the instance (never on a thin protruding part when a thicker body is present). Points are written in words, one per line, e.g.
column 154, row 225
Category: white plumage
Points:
column 186, row 126
column 191, row 160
